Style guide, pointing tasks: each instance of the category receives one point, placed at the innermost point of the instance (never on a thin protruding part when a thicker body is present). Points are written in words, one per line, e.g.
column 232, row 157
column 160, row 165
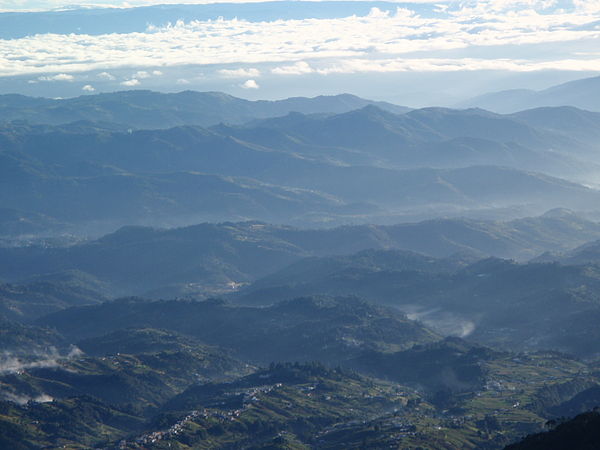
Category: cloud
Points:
column 131, row 83
column 299, row 68
column 106, row 76
column 140, row 75
column 501, row 30
column 239, row 73
column 249, row 84
column 57, row 77
column 88, row 88
column 182, row 81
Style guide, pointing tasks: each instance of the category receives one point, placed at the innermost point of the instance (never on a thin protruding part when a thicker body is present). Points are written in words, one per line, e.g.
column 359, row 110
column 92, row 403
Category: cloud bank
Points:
column 514, row 35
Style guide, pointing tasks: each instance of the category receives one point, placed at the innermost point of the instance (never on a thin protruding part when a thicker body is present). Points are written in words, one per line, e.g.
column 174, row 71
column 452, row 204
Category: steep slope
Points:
column 581, row 432
column 582, row 402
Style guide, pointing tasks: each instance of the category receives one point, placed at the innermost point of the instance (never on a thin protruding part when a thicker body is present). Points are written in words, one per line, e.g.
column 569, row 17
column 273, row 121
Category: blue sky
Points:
column 411, row 51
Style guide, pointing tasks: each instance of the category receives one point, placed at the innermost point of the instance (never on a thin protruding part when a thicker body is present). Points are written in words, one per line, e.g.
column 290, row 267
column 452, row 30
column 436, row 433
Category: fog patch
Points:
column 24, row 399
column 443, row 322
column 11, row 362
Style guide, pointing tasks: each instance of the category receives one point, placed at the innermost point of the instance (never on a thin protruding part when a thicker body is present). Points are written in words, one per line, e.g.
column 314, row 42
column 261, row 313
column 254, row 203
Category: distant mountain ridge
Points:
column 583, row 93
column 148, row 109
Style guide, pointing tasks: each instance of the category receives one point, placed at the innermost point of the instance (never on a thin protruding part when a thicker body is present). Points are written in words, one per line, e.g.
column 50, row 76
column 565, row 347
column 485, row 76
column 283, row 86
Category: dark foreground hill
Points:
column 162, row 389
column 136, row 385
column 581, row 432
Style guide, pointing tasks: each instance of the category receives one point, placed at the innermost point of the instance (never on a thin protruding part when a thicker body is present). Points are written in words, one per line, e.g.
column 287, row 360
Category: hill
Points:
column 588, row 253
column 85, row 401
column 28, row 342
column 212, row 259
column 305, row 329
column 441, row 369
column 140, row 381
column 300, row 406
column 497, row 302
column 45, row 294
column 253, row 410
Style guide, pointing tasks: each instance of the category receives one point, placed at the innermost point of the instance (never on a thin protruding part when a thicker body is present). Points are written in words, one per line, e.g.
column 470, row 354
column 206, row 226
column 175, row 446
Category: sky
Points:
column 413, row 53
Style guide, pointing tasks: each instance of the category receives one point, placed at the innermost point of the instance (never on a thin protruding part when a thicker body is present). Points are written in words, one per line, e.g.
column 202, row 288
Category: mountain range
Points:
column 150, row 110
column 365, row 165
column 195, row 270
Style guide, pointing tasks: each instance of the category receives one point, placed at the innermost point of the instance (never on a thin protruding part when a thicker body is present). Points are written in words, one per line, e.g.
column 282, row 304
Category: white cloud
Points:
column 106, row 76
column 88, row 88
column 141, row 74
column 131, row 83
column 182, row 81
column 239, row 73
column 249, row 84
column 57, row 77
column 157, row 73
column 299, row 68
